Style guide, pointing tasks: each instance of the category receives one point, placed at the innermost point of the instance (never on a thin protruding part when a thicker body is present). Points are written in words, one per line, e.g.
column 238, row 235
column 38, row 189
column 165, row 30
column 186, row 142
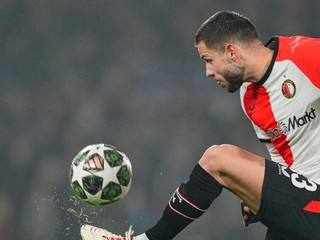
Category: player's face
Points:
column 220, row 66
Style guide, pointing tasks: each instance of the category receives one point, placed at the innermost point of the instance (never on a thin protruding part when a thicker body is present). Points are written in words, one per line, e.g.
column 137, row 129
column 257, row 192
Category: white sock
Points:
column 141, row 237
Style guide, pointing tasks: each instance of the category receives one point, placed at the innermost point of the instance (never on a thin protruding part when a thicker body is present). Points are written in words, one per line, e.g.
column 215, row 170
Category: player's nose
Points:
column 209, row 72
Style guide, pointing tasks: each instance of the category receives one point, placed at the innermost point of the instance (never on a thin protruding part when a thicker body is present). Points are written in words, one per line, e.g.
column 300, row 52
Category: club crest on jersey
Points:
column 288, row 88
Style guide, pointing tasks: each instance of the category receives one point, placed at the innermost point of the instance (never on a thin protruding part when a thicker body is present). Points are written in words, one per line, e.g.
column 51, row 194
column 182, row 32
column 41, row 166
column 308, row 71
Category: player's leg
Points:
column 225, row 166
column 237, row 170
column 221, row 166
column 289, row 204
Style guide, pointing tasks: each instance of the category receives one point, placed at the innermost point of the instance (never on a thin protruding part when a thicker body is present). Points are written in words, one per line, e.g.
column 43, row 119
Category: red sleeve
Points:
column 304, row 52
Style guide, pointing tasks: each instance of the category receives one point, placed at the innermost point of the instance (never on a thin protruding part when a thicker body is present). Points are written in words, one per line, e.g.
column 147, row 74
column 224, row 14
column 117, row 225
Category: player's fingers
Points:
column 246, row 209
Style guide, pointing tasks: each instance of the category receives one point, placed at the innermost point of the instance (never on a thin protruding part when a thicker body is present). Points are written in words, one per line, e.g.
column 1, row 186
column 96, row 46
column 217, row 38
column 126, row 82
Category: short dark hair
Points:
column 225, row 26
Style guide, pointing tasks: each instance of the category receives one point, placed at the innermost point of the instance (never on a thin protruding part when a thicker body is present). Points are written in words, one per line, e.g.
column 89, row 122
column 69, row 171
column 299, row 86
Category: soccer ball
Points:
column 100, row 174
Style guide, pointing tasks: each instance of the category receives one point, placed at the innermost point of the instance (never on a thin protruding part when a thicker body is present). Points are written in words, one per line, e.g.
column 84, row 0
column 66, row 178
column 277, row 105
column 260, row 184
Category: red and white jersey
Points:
column 284, row 106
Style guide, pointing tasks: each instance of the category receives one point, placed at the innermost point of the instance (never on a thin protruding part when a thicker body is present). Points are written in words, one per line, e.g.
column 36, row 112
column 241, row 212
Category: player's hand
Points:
column 248, row 216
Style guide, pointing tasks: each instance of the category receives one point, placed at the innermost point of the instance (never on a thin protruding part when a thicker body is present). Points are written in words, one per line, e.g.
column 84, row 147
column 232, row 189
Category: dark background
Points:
column 74, row 73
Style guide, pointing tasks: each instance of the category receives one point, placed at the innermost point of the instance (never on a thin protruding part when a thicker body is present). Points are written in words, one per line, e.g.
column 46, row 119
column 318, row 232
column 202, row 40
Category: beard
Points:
column 234, row 78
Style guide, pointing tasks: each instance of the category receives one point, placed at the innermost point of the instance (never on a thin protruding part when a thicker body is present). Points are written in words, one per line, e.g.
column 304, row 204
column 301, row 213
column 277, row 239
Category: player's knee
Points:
column 215, row 157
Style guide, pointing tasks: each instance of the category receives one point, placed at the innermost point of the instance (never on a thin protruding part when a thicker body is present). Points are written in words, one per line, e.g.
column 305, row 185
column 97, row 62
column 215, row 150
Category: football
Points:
column 100, row 174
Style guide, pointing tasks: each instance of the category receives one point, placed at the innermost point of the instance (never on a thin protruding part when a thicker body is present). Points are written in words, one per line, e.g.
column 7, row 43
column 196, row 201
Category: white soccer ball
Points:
column 100, row 174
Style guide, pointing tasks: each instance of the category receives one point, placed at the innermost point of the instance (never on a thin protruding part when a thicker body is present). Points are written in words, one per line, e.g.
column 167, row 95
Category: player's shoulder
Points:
column 296, row 46
column 295, row 40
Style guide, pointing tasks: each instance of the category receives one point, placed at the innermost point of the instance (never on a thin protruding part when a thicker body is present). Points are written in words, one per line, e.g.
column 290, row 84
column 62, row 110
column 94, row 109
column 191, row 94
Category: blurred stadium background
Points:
column 125, row 73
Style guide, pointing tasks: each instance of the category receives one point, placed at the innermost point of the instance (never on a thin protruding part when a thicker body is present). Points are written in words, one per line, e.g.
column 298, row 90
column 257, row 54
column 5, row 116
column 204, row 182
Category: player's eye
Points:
column 207, row 60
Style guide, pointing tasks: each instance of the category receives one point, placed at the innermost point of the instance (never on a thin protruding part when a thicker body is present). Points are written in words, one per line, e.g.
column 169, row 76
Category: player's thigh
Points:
column 238, row 170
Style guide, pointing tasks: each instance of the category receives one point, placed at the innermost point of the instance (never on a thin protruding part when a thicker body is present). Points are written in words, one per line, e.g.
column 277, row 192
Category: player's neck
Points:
column 258, row 63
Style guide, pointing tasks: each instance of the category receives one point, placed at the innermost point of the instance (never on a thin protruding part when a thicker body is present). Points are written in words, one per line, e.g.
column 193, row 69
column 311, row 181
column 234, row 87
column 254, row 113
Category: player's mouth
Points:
column 220, row 83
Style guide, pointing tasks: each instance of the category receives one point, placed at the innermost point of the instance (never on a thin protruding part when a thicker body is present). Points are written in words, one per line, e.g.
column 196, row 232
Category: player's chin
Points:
column 223, row 85
column 233, row 88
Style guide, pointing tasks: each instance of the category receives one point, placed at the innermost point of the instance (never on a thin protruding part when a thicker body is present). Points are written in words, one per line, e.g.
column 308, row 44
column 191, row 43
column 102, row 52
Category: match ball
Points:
column 100, row 174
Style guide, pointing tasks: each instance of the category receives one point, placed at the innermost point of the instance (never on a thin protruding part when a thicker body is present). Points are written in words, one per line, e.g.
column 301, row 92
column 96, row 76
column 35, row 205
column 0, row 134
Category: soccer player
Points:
column 279, row 86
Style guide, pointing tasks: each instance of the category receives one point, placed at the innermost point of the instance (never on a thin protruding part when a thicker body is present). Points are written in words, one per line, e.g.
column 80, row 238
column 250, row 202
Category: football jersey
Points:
column 284, row 106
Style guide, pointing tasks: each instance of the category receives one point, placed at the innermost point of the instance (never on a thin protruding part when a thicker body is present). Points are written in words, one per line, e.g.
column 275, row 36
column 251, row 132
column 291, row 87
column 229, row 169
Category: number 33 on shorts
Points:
column 299, row 181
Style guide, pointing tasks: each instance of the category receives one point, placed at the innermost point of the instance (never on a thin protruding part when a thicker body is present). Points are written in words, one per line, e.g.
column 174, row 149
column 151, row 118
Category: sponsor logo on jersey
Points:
column 293, row 124
column 281, row 129
column 296, row 122
column 288, row 88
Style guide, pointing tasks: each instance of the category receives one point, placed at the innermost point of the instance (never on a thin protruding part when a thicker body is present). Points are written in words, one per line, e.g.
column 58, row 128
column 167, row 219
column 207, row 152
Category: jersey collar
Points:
column 273, row 44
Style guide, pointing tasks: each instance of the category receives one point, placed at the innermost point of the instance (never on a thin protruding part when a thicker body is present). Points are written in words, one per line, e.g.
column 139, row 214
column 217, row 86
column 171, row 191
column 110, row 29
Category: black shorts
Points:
column 290, row 204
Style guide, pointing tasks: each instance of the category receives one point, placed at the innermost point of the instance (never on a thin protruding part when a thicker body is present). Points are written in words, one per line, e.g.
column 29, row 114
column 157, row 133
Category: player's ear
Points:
column 230, row 49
